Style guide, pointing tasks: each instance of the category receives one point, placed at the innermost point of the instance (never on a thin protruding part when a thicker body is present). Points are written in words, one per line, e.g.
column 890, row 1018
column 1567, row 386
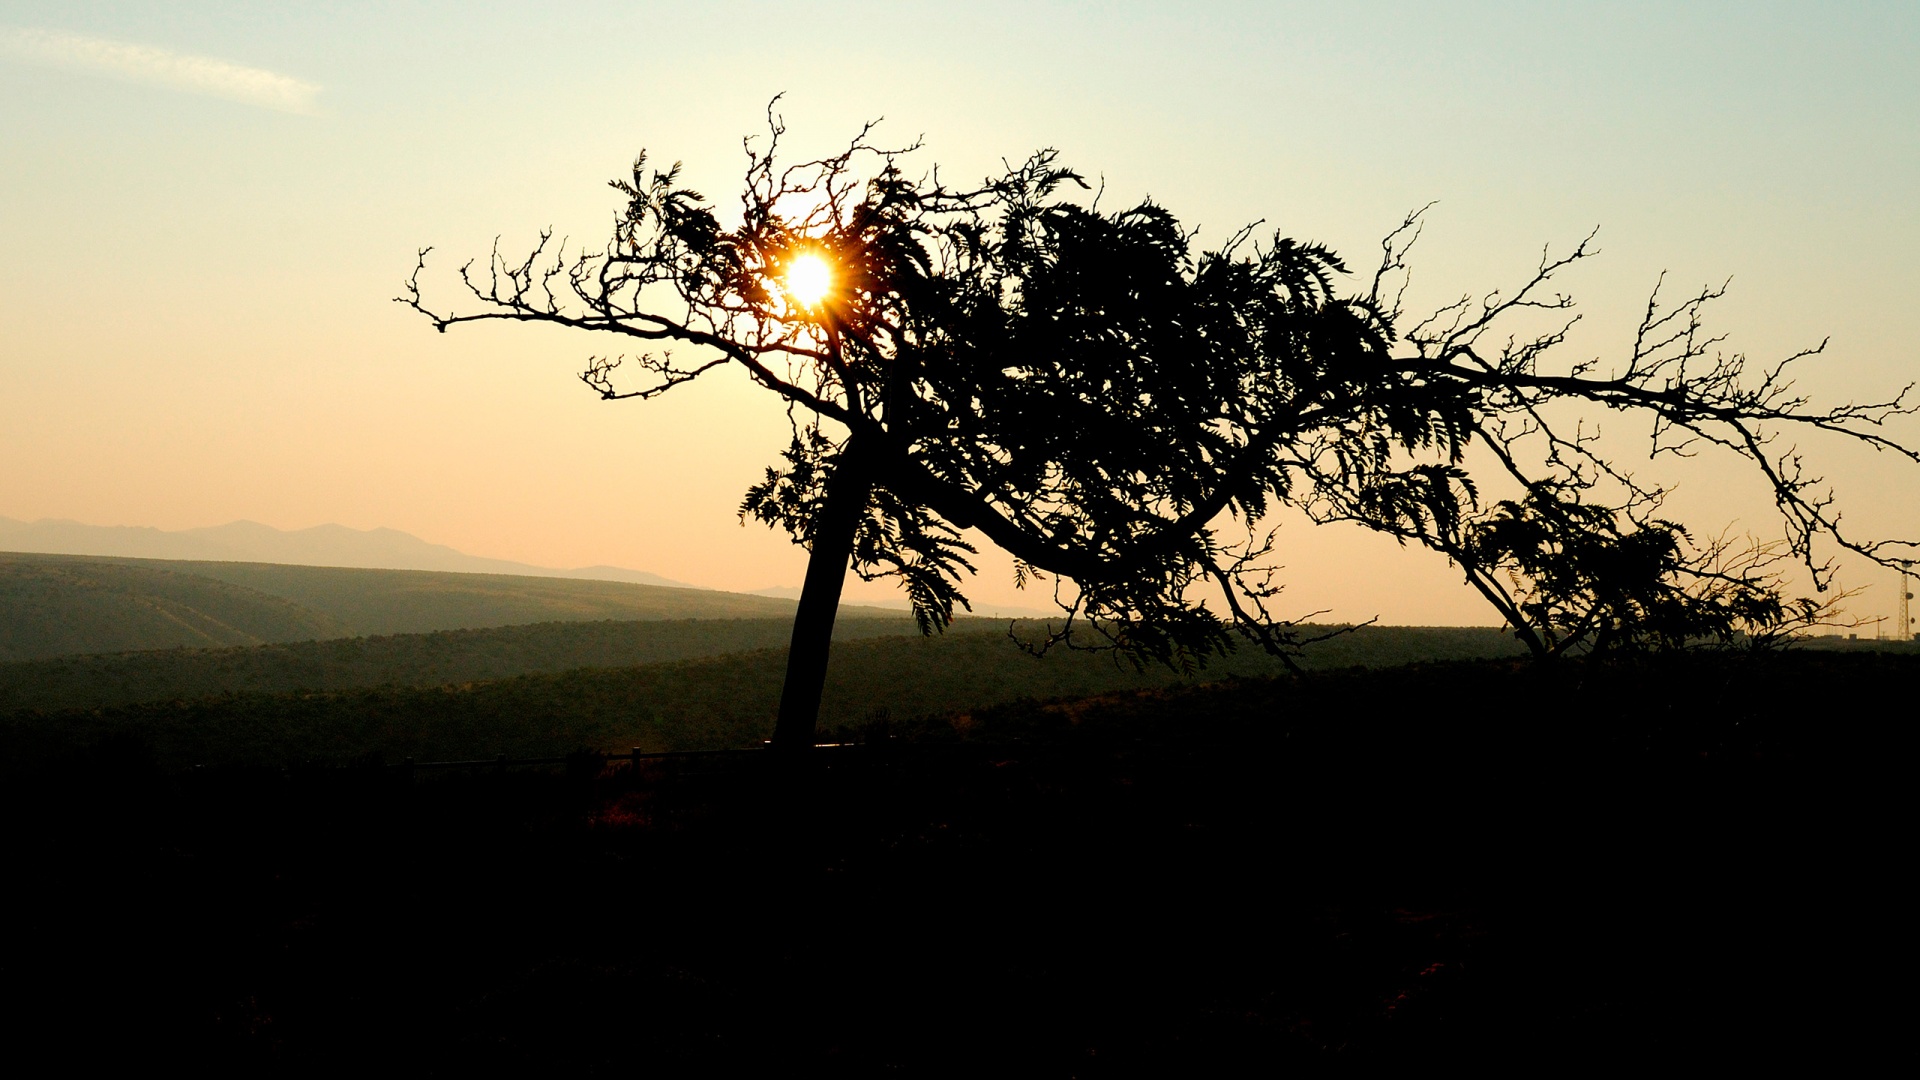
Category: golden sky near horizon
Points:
column 209, row 207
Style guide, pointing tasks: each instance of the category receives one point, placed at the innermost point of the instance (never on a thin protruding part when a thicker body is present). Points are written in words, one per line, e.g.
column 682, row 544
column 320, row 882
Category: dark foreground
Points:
column 1678, row 861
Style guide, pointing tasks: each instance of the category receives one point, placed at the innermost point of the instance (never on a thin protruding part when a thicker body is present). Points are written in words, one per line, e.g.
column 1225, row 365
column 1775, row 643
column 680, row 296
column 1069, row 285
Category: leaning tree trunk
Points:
column 832, row 545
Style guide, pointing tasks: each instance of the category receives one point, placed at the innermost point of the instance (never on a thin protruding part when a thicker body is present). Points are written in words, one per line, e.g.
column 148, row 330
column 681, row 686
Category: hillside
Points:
column 417, row 660
column 53, row 605
column 703, row 703
column 423, row 601
column 447, row 657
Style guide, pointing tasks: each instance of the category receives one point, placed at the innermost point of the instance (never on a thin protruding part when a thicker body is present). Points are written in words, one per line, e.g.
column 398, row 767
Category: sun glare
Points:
column 808, row 279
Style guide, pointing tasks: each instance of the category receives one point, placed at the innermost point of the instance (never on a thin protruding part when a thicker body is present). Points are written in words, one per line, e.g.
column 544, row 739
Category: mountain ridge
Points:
column 243, row 540
column 342, row 546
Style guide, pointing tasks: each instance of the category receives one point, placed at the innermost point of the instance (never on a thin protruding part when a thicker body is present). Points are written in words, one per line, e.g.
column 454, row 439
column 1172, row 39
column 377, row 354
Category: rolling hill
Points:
column 52, row 605
column 447, row 657
column 342, row 700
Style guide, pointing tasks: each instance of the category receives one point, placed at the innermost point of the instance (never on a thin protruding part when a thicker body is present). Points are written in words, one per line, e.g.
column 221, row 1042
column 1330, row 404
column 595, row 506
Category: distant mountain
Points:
column 368, row 549
column 250, row 541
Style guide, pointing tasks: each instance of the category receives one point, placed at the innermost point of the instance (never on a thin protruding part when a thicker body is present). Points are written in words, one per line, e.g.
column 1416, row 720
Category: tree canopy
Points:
column 1120, row 408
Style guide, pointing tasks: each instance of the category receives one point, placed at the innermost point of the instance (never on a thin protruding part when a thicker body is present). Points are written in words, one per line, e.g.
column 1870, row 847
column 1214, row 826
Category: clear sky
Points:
column 205, row 210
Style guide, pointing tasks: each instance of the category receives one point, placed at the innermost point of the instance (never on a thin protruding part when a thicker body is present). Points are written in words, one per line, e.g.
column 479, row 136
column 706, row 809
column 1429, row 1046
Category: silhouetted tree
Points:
column 1120, row 410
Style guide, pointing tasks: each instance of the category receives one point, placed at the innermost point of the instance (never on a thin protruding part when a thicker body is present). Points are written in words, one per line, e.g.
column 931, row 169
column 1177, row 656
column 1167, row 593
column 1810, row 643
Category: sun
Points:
column 808, row 279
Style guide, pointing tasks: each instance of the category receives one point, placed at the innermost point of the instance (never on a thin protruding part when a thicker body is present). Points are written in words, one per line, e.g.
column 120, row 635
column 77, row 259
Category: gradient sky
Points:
column 208, row 207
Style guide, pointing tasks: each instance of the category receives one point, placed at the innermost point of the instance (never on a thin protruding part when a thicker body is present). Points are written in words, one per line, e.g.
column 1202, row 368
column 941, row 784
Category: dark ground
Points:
column 1677, row 862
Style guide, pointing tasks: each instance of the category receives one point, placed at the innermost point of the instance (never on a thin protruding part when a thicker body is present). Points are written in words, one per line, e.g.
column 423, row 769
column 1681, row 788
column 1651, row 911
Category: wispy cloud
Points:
column 161, row 67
